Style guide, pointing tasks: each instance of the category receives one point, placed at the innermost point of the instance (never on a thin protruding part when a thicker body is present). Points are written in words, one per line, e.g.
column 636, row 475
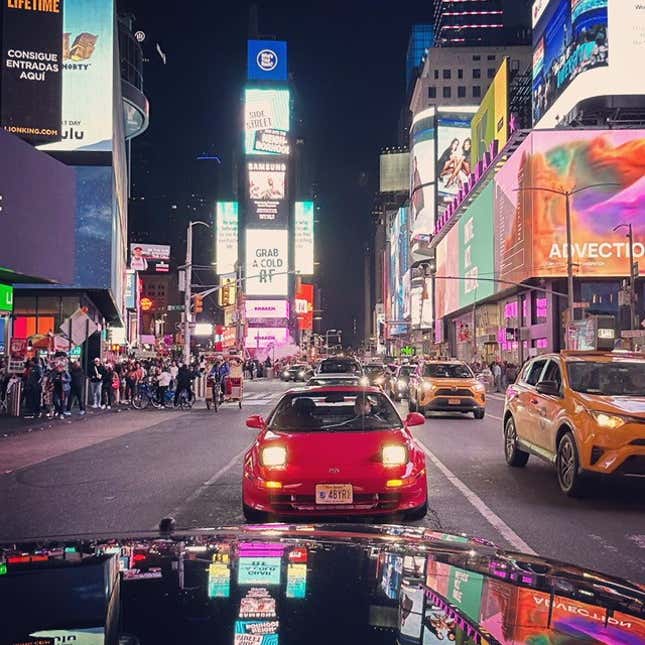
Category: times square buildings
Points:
column 472, row 261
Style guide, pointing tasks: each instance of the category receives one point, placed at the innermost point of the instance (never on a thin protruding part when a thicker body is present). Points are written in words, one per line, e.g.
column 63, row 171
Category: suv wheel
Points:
column 514, row 456
column 567, row 464
column 479, row 414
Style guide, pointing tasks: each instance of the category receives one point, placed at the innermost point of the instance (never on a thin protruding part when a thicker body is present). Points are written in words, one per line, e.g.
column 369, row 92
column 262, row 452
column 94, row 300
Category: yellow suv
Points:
column 446, row 386
column 584, row 412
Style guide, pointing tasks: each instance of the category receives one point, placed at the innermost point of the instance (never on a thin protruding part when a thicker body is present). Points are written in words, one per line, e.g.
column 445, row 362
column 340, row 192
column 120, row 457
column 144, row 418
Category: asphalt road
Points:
column 127, row 470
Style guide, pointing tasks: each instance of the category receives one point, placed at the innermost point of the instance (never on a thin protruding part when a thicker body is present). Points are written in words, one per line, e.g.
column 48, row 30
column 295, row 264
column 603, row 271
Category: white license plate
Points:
column 454, row 401
column 334, row 494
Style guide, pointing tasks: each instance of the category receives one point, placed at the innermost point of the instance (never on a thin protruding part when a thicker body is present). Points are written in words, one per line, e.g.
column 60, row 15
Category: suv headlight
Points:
column 273, row 456
column 480, row 387
column 605, row 420
column 395, row 455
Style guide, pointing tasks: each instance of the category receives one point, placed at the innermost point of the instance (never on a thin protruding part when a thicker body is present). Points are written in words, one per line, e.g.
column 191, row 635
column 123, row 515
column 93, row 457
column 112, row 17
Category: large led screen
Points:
column 399, row 267
column 394, row 172
column 422, row 174
column 267, row 190
column 531, row 224
column 583, row 49
column 226, row 226
column 304, row 238
column 261, row 337
column 266, row 121
column 266, row 60
column 88, row 70
column 267, row 262
column 446, row 287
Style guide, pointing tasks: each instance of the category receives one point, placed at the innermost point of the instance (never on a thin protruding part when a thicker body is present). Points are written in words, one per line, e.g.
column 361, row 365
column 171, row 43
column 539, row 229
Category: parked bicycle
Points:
column 146, row 395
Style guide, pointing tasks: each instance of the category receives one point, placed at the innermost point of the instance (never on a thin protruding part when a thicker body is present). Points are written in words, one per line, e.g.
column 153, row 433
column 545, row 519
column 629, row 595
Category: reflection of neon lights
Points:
column 219, row 580
column 261, row 549
column 296, row 580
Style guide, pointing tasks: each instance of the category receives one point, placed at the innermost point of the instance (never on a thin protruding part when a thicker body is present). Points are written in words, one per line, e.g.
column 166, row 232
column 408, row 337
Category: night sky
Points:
column 348, row 65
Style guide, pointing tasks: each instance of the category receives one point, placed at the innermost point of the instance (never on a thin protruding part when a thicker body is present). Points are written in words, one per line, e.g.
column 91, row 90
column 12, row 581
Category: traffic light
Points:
column 199, row 304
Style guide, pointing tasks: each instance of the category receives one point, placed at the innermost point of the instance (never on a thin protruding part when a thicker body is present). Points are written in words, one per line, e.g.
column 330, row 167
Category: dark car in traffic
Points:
column 339, row 365
column 298, row 372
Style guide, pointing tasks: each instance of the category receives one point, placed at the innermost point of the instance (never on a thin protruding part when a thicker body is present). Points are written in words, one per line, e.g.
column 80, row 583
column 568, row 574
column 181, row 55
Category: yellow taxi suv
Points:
column 446, row 386
column 583, row 412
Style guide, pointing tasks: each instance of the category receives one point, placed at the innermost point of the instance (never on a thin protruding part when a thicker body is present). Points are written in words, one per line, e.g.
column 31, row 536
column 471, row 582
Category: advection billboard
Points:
column 476, row 248
column 88, row 51
column 267, row 186
column 267, row 262
column 266, row 121
column 530, row 224
column 583, row 49
column 394, row 173
column 399, row 267
column 32, row 69
column 226, row 232
column 422, row 174
column 304, row 238
column 490, row 122
column 453, row 152
column 266, row 60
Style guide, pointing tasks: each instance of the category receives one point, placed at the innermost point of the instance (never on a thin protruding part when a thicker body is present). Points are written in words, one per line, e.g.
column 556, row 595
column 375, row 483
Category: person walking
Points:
column 62, row 381
column 96, row 383
column 497, row 375
column 33, row 389
column 108, row 386
column 76, row 388
column 184, row 377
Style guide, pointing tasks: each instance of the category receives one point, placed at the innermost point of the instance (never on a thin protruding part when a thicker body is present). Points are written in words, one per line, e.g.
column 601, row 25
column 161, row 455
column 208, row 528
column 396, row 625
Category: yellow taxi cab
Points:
column 446, row 386
column 583, row 412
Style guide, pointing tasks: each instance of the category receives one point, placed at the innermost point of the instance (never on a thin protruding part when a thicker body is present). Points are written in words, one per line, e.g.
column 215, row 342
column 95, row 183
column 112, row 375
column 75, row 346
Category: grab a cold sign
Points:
column 267, row 262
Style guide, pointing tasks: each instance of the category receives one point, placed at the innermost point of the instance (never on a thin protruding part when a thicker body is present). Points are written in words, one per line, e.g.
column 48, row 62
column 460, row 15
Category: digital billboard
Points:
column 266, row 308
column 446, row 291
column 131, row 290
column 605, row 166
column 305, row 307
column 399, row 267
column 454, row 150
column 266, row 121
column 267, row 190
column 267, row 262
column 261, row 337
column 304, row 238
column 476, row 248
column 421, row 302
column 394, row 175
column 226, row 232
column 583, row 49
column 88, row 70
column 148, row 256
column 32, row 70
column 266, row 60
column 422, row 174
column 490, row 122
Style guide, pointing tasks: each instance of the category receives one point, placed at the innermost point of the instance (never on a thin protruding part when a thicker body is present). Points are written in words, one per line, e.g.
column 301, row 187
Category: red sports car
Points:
column 332, row 451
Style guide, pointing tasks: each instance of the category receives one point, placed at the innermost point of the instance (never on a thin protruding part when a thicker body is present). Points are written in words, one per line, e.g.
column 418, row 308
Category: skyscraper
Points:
column 467, row 22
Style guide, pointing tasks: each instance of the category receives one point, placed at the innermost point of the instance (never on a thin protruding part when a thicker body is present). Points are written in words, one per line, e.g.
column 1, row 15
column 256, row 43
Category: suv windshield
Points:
column 334, row 411
column 372, row 370
column 339, row 367
column 447, row 370
column 607, row 379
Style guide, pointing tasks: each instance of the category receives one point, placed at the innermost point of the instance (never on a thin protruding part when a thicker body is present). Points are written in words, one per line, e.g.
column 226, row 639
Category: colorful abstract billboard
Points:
column 604, row 167
column 267, row 262
column 583, row 49
column 88, row 76
column 266, row 121
column 423, row 155
column 226, row 232
column 304, row 238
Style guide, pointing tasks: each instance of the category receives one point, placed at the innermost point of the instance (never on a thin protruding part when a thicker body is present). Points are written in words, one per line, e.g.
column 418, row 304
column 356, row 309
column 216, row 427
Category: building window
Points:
column 447, row 92
column 477, row 91
column 491, row 72
column 477, row 57
column 477, row 73
column 460, row 73
column 436, row 74
column 432, row 92
column 515, row 65
column 461, row 91
column 446, row 74
column 490, row 57
column 539, row 308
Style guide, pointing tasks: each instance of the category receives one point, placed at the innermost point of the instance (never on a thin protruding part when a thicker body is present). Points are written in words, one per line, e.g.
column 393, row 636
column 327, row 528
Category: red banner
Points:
column 305, row 307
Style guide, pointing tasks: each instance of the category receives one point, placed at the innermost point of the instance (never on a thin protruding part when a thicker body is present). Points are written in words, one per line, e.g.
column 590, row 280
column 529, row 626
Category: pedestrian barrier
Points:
column 14, row 396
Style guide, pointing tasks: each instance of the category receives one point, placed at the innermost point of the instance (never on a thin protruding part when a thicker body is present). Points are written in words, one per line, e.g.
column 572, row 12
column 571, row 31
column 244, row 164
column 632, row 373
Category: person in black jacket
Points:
column 76, row 391
column 184, row 379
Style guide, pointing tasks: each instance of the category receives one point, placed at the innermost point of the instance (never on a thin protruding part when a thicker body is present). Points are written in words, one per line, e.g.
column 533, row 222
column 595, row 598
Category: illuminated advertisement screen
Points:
column 131, row 290
column 304, row 238
column 531, row 225
column 422, row 174
column 226, row 232
column 266, row 308
column 399, row 266
column 305, row 307
column 148, row 256
column 258, row 570
column 446, row 290
column 266, row 121
column 256, row 632
column 453, row 153
column 267, row 190
column 31, row 99
column 475, row 248
column 411, row 600
column 266, row 60
column 394, row 173
column 267, row 262
column 88, row 70
column 262, row 337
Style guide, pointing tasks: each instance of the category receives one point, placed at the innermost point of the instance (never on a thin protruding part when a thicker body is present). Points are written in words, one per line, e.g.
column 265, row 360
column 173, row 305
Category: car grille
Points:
column 596, row 454
column 633, row 466
column 446, row 391
column 362, row 502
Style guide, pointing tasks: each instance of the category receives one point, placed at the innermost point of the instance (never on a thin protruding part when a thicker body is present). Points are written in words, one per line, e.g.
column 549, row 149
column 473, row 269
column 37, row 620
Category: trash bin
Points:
column 269, row 372
column 14, row 396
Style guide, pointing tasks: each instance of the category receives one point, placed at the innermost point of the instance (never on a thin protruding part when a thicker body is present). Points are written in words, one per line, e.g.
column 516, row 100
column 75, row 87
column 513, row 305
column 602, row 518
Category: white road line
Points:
column 256, row 402
column 492, row 416
column 496, row 396
column 494, row 520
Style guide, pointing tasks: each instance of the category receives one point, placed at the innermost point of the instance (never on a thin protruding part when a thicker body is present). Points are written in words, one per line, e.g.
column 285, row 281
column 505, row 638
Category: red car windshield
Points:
column 334, row 411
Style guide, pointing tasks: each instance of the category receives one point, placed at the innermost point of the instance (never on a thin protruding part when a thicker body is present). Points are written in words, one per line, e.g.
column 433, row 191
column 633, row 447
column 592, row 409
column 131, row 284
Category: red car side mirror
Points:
column 255, row 421
column 414, row 419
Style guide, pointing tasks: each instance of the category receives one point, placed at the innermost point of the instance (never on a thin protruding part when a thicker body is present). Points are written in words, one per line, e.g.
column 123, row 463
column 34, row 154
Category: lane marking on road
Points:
column 480, row 506
column 201, row 489
column 492, row 416
column 496, row 396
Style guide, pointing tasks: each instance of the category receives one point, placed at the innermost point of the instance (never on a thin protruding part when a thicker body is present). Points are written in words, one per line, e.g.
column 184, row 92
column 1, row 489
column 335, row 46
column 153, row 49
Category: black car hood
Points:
column 334, row 583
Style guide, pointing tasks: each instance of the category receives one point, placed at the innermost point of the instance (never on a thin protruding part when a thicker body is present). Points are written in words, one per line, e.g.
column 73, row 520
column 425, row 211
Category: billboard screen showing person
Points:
column 267, row 185
column 148, row 256
column 266, row 121
column 605, row 167
column 422, row 174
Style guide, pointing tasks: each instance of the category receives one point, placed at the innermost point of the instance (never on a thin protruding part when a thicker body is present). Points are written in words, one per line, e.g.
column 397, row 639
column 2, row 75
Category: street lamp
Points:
column 567, row 194
column 632, row 273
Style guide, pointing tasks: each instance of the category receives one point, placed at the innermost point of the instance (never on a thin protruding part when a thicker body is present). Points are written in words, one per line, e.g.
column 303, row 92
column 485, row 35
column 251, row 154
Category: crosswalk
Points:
column 258, row 398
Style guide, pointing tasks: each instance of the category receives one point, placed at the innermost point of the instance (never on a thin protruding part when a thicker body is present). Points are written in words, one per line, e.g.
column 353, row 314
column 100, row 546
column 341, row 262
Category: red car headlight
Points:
column 273, row 456
column 394, row 455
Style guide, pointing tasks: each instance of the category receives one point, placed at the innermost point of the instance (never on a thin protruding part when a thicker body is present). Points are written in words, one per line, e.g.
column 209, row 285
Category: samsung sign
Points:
column 267, row 60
